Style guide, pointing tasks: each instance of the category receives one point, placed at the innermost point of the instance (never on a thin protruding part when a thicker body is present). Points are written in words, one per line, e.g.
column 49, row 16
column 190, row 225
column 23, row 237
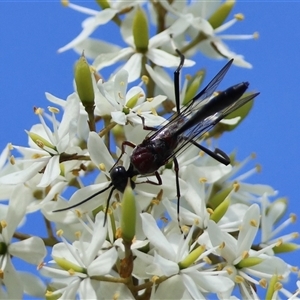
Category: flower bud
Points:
column 191, row 258
column 103, row 4
column 39, row 141
column 84, row 83
column 285, row 247
column 140, row 31
column 131, row 103
column 249, row 262
column 128, row 220
column 67, row 265
column 221, row 210
column 219, row 197
column 193, row 87
column 220, row 15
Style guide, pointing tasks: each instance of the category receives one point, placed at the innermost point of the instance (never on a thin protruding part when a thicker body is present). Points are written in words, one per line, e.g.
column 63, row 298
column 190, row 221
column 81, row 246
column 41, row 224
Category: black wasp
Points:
column 163, row 144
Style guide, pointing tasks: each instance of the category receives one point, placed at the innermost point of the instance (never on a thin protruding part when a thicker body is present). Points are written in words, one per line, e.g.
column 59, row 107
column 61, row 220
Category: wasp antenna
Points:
column 85, row 200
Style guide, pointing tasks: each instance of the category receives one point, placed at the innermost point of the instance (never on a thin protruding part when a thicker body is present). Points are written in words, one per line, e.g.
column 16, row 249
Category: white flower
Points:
column 214, row 47
column 170, row 249
column 199, row 175
column 212, row 43
column 36, row 196
column 116, row 94
column 234, row 251
column 75, row 264
column 98, row 18
column 47, row 155
column 31, row 250
column 271, row 213
column 134, row 59
column 102, row 108
column 245, row 192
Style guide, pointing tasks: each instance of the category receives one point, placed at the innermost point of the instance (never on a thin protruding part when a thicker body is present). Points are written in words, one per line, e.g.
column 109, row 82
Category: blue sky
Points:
column 31, row 33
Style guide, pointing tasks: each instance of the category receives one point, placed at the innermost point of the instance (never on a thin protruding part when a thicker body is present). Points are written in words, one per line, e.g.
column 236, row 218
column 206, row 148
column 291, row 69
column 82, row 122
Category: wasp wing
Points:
column 203, row 126
column 205, row 93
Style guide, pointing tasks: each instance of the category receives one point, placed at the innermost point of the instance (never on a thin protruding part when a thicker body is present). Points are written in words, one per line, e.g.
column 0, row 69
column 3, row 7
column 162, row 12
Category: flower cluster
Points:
column 161, row 220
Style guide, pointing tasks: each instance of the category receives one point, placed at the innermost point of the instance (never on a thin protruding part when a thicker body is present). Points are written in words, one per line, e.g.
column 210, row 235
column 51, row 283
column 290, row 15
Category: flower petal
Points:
column 87, row 289
column 31, row 250
column 107, row 59
column 12, row 282
column 118, row 117
column 133, row 66
column 16, row 210
column 91, row 47
column 248, row 229
column 99, row 152
column 24, row 175
column 162, row 266
column 98, row 238
column 164, row 59
column 33, row 285
column 155, row 236
column 103, row 264
column 89, row 26
column 51, row 172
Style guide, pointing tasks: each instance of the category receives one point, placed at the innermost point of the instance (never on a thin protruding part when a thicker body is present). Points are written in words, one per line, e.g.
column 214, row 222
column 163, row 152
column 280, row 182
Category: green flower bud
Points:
column 67, row 265
column 249, row 262
column 133, row 101
column 220, row 15
column 128, row 220
column 39, row 141
column 219, row 197
column 220, row 211
column 191, row 258
column 103, row 4
column 84, row 83
column 140, row 31
column 193, row 87
column 286, row 247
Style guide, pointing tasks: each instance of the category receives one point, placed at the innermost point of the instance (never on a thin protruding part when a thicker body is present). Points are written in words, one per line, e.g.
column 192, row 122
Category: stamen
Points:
column 263, row 283
column 202, row 180
column 12, row 160
column 38, row 111
column 3, row 224
column 53, row 109
column 102, row 167
column 239, row 17
column 59, row 232
column 145, row 79
column 64, row 3
column 71, row 272
column 154, row 112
